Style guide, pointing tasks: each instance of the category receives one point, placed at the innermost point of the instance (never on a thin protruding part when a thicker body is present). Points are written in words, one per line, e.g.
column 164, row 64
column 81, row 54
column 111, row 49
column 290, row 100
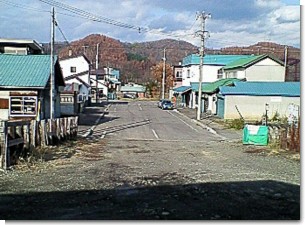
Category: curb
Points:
column 209, row 129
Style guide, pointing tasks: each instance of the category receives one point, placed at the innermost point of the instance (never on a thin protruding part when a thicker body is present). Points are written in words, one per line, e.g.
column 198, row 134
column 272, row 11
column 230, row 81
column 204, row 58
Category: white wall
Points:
column 253, row 107
column 264, row 70
column 81, row 65
column 209, row 74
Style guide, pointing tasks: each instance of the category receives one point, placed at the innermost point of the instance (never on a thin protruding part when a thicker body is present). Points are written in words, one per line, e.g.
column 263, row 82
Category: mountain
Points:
column 134, row 60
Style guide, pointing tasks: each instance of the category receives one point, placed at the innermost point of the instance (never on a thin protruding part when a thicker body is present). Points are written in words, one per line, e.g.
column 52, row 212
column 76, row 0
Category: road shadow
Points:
column 246, row 200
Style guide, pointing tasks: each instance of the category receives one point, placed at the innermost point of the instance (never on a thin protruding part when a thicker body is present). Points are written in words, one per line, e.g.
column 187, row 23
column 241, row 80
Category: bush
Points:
column 236, row 124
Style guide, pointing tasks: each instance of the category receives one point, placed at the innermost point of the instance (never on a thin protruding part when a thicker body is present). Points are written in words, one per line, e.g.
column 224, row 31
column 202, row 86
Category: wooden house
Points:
column 25, row 87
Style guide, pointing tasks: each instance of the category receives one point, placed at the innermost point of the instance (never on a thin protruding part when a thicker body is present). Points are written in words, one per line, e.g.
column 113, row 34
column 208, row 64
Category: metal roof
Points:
column 182, row 89
column 24, row 70
column 20, row 42
column 135, row 88
column 214, row 86
column 291, row 89
column 222, row 60
column 246, row 62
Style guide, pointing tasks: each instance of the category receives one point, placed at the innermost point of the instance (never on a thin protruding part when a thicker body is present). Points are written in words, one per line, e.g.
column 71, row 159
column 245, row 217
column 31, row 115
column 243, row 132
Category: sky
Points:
column 232, row 22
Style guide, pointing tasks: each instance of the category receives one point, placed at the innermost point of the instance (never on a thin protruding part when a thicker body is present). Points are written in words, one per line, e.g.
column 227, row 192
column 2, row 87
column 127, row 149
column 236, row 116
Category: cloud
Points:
column 233, row 22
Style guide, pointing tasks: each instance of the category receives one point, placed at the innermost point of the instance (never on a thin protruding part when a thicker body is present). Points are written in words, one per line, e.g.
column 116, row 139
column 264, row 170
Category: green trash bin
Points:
column 255, row 135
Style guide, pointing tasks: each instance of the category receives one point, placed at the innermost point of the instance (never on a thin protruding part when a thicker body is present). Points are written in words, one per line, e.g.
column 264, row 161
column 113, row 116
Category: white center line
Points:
column 156, row 135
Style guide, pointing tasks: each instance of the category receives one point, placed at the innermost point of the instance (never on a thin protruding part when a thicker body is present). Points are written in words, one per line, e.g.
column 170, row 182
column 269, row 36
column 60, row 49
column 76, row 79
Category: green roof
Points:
column 246, row 62
column 194, row 59
column 214, row 86
column 135, row 88
column 24, row 70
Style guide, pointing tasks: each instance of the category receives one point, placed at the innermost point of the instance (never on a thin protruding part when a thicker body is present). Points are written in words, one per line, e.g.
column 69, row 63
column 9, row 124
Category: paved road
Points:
column 144, row 163
column 145, row 121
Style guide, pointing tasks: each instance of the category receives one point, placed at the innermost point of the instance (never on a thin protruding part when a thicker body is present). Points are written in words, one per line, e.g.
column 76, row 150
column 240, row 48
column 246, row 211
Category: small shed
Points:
column 251, row 99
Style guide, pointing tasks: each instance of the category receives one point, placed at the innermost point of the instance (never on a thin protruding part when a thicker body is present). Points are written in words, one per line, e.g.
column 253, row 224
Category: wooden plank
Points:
column 5, row 159
column 14, row 142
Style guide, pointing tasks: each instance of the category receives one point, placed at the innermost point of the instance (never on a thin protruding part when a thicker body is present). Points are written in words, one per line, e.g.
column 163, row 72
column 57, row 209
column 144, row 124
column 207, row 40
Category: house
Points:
column 70, row 103
column 212, row 67
column 20, row 47
column 177, row 75
column 76, row 69
column 249, row 99
column 209, row 93
column 25, row 87
column 256, row 68
column 134, row 89
column 105, row 83
column 212, row 71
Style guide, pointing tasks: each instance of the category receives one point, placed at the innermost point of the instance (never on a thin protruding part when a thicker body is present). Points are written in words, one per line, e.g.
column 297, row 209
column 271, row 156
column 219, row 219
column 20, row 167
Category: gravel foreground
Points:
column 109, row 179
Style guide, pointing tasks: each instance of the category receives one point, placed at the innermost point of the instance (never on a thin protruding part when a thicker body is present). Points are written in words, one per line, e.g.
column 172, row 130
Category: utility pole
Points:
column 285, row 60
column 52, row 86
column 163, row 75
column 203, row 16
column 96, row 69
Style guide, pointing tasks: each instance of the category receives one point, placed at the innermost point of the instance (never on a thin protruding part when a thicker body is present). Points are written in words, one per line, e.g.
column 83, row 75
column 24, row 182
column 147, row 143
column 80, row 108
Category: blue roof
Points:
column 182, row 89
column 222, row 60
column 195, row 85
column 25, row 70
column 291, row 89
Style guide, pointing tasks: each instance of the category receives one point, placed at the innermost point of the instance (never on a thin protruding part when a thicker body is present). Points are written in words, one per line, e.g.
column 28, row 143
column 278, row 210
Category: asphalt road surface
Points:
column 142, row 163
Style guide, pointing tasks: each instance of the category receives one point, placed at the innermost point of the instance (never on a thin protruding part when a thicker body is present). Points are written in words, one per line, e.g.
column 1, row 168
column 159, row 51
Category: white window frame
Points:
column 26, row 104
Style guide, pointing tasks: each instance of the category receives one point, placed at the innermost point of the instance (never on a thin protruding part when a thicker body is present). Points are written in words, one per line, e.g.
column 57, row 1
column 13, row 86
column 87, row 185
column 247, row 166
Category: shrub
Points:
column 236, row 124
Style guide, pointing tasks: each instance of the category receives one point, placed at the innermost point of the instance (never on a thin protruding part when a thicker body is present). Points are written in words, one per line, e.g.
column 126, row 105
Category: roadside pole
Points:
column 203, row 16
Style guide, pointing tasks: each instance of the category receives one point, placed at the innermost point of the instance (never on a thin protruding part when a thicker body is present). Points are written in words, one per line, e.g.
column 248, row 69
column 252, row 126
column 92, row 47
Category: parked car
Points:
column 160, row 103
column 167, row 104
column 132, row 96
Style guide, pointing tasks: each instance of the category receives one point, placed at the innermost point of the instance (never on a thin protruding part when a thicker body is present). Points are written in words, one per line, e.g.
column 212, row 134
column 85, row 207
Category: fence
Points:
column 288, row 136
column 30, row 134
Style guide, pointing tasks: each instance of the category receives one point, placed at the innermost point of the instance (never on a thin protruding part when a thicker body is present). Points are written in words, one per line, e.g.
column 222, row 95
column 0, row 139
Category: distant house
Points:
column 134, row 89
column 25, row 86
column 20, row 47
column 256, row 68
column 250, row 98
column 76, row 69
column 105, row 83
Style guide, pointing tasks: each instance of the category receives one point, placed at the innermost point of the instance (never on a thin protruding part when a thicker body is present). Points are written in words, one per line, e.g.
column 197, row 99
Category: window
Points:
column 220, row 74
column 23, row 106
column 73, row 69
column 188, row 73
column 179, row 74
column 66, row 99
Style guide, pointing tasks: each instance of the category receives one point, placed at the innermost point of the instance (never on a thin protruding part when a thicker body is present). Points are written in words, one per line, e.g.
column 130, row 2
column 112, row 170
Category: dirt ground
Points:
column 143, row 180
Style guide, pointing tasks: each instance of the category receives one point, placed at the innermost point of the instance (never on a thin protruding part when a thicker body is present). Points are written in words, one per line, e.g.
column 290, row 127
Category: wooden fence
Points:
column 30, row 134
column 287, row 136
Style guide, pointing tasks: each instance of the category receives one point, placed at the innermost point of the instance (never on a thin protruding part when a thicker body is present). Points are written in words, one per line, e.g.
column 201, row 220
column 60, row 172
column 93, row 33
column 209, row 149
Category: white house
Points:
column 256, row 68
column 76, row 69
column 211, row 72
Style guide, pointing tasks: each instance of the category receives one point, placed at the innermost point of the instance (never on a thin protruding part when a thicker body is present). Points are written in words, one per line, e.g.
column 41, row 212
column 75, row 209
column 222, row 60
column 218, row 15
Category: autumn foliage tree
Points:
column 157, row 74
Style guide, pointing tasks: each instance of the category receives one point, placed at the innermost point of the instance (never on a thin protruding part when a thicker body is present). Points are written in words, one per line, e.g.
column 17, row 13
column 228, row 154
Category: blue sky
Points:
column 233, row 22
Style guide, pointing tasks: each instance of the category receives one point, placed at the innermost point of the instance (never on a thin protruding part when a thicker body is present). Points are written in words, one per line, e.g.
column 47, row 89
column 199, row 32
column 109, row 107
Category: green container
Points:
column 255, row 135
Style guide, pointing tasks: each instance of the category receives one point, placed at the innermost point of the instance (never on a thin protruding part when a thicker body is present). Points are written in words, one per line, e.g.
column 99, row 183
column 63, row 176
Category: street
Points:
column 141, row 162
